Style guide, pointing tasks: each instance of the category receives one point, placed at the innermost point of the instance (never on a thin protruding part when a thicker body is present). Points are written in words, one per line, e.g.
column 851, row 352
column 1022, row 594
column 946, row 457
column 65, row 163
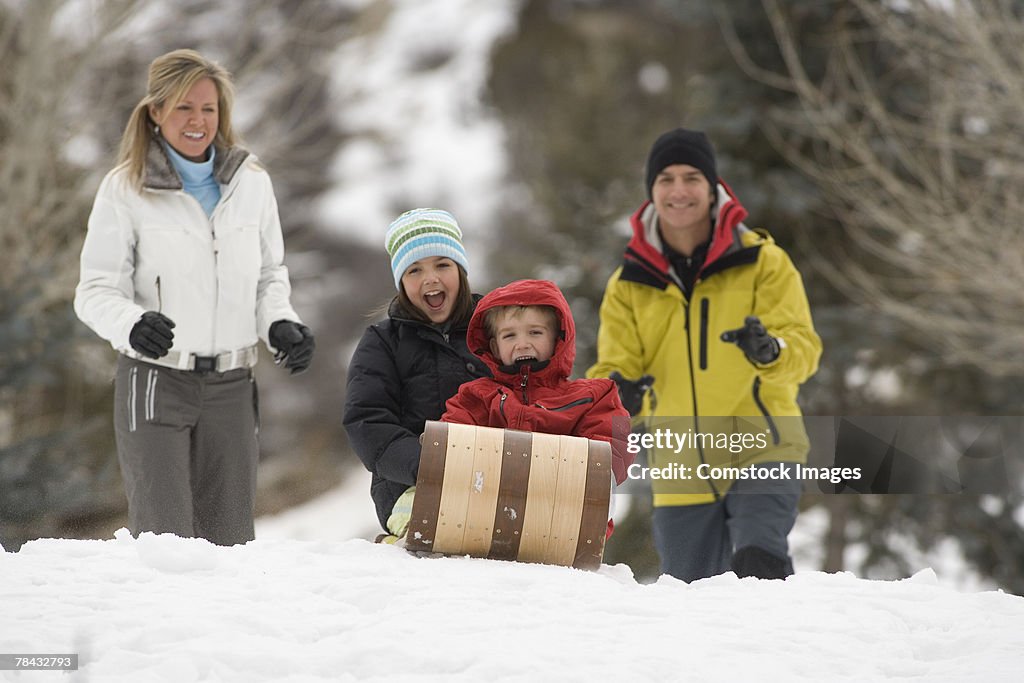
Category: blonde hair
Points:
column 171, row 76
column 494, row 316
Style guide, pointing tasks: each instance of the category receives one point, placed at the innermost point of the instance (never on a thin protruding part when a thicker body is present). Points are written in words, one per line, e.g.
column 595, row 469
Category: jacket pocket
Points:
column 567, row 406
column 764, row 411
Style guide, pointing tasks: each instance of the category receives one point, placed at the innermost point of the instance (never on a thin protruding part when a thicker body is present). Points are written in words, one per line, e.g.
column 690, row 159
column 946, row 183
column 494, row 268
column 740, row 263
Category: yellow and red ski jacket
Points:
column 705, row 388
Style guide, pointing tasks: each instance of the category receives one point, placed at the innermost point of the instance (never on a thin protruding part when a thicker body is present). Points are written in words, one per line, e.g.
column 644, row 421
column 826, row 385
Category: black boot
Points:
column 753, row 561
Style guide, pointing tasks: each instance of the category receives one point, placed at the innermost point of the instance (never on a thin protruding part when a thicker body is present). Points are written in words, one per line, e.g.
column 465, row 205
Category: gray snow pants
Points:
column 698, row 541
column 186, row 443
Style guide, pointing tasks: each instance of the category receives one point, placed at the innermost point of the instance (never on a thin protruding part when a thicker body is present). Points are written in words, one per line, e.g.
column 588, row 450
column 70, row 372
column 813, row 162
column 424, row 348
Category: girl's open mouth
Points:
column 435, row 300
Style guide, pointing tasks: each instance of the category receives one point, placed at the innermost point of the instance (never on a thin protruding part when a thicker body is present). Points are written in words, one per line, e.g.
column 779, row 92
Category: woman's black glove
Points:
column 294, row 344
column 754, row 341
column 152, row 336
column 631, row 392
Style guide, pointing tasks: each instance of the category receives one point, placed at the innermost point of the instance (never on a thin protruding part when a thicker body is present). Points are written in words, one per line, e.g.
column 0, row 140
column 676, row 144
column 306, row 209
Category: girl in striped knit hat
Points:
column 408, row 364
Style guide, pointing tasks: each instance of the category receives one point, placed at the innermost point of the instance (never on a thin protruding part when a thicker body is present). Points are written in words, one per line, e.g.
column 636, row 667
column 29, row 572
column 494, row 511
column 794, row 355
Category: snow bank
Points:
column 162, row 608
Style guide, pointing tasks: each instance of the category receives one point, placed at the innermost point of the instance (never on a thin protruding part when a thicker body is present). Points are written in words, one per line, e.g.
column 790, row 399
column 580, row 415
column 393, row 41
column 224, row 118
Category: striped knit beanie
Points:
column 422, row 233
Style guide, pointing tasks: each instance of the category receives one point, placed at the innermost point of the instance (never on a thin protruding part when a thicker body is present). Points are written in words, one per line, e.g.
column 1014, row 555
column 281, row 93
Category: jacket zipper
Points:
column 764, row 411
column 693, row 393
column 224, row 196
column 523, row 380
column 501, row 404
column 216, row 282
column 216, row 254
column 577, row 402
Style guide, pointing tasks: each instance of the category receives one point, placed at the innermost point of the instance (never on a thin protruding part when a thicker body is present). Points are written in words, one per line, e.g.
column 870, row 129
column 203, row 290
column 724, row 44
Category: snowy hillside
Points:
column 310, row 600
column 161, row 608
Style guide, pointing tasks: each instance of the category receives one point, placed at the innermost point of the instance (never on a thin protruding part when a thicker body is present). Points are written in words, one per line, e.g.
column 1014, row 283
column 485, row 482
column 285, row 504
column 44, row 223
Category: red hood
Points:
column 526, row 293
column 730, row 214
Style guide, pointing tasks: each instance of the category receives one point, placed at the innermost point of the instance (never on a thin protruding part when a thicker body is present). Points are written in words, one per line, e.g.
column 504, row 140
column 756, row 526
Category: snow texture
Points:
column 162, row 608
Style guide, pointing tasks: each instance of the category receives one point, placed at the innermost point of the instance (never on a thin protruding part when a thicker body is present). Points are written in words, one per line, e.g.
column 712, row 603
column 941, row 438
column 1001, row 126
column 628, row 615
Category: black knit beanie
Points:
column 682, row 146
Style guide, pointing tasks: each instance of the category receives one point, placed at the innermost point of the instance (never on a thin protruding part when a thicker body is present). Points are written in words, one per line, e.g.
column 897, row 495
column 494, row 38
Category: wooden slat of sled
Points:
column 594, row 520
column 458, row 480
column 427, row 501
column 510, row 507
column 483, row 493
column 540, row 498
column 568, row 504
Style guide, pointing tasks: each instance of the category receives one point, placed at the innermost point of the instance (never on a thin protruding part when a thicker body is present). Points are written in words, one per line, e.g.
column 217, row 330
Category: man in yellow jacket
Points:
column 707, row 330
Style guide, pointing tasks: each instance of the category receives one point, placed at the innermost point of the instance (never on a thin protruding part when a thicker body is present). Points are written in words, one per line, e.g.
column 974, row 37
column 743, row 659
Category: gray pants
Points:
column 187, row 446
column 698, row 541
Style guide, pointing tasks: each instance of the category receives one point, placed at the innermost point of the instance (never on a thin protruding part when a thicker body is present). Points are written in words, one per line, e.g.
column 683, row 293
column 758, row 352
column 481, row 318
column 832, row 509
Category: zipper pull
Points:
column 524, row 378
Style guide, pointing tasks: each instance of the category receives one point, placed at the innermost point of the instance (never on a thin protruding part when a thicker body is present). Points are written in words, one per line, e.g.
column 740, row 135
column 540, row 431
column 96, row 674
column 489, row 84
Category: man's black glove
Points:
column 631, row 392
column 151, row 336
column 294, row 344
column 754, row 341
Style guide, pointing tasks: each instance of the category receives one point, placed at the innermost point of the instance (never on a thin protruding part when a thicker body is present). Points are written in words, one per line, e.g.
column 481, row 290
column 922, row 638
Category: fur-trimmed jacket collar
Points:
column 160, row 173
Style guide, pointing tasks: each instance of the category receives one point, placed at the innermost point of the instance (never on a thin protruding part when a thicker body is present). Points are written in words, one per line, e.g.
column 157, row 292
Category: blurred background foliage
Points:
column 877, row 143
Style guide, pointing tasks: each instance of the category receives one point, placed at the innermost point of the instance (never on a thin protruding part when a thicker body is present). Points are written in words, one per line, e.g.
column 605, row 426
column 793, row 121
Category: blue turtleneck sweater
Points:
column 197, row 178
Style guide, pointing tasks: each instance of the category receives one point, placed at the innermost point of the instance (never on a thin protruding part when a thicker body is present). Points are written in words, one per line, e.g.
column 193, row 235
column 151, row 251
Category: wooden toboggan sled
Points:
column 511, row 495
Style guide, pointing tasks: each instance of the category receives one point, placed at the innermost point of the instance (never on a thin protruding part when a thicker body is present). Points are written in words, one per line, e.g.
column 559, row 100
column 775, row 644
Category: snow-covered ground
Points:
column 302, row 603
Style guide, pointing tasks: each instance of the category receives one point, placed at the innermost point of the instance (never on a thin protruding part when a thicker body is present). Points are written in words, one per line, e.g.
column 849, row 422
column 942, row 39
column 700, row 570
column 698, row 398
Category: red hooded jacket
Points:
column 541, row 398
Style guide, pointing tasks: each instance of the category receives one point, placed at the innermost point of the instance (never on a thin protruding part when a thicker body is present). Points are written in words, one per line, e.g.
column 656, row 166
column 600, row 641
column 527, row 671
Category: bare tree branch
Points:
column 913, row 130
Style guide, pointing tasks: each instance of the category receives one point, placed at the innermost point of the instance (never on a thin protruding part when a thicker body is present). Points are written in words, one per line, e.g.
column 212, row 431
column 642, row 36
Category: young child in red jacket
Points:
column 525, row 334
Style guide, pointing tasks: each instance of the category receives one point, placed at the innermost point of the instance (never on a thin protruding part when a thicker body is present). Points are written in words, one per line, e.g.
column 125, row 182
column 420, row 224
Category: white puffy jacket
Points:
column 219, row 278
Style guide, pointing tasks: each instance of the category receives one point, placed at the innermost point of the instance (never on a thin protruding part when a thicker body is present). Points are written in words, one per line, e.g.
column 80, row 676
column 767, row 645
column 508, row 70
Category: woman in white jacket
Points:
column 182, row 272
